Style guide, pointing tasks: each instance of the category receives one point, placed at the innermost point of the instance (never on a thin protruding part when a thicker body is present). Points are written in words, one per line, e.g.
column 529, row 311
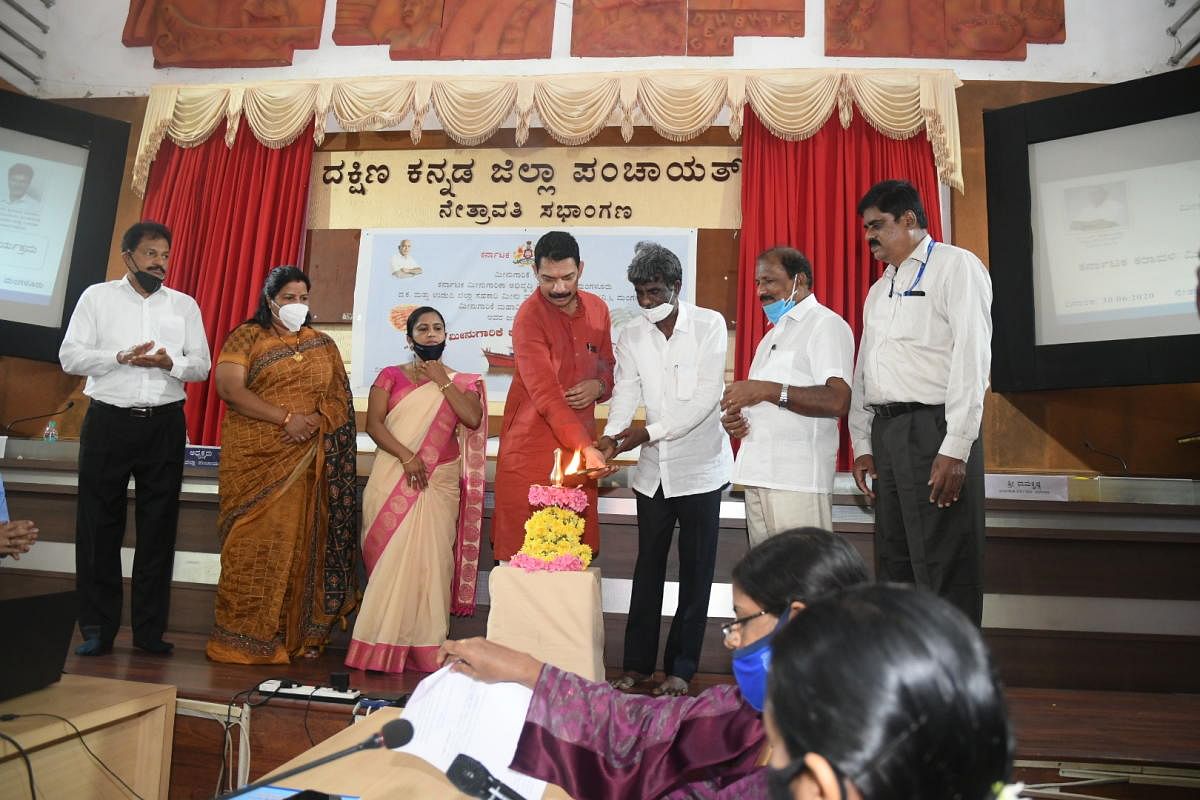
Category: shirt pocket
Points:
column 788, row 367
column 170, row 334
column 686, row 378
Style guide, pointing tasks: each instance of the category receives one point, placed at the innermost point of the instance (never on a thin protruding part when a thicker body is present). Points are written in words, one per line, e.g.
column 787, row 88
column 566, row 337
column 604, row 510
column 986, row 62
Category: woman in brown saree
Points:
column 422, row 506
column 287, row 518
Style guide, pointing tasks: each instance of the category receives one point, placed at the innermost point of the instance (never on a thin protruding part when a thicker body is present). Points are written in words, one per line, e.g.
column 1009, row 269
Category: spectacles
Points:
column 728, row 628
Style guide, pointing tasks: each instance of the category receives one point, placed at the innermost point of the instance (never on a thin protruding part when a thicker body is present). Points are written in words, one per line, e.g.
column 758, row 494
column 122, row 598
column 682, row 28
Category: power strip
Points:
column 301, row 692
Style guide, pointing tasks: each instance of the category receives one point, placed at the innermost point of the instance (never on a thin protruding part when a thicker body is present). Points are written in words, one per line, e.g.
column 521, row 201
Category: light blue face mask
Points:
column 751, row 665
column 776, row 310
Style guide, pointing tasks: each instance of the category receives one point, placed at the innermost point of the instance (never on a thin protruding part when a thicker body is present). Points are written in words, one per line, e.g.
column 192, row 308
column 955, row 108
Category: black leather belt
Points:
column 139, row 412
column 889, row 410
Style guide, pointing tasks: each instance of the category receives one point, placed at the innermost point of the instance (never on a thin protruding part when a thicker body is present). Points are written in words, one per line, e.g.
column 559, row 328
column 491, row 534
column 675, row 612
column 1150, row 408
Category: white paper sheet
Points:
column 451, row 714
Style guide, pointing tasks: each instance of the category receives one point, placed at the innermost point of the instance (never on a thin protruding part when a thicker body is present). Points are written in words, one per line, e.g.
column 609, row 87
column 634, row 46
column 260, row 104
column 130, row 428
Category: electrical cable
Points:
column 248, row 694
column 25, row 757
column 82, row 741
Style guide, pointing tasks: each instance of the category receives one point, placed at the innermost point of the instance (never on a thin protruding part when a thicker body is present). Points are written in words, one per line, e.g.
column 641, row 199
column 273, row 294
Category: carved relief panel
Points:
column 448, row 29
column 678, row 27
column 973, row 29
column 223, row 33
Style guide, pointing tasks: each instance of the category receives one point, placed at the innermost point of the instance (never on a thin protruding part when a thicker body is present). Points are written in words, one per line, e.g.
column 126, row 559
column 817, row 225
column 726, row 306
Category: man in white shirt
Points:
column 670, row 359
column 403, row 265
column 786, row 412
column 918, row 401
column 20, row 176
column 137, row 342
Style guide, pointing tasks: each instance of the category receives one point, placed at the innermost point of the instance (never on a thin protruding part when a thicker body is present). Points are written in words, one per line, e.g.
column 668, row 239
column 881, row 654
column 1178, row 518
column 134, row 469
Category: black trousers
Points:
column 915, row 541
column 114, row 445
column 699, row 517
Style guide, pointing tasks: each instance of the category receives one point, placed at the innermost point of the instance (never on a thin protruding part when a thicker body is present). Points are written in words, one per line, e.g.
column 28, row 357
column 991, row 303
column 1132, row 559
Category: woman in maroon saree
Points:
column 595, row 741
column 422, row 506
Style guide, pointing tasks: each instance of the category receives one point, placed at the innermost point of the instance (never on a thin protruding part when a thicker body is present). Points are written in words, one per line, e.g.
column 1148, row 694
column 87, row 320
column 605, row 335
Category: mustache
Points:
column 562, row 296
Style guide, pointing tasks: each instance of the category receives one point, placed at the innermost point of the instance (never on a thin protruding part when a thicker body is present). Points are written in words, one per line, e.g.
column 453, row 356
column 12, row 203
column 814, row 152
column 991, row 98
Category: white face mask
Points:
column 292, row 315
column 660, row 312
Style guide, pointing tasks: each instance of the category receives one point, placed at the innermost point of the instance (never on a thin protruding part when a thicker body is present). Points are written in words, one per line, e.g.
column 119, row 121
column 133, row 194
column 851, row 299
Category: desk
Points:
column 129, row 726
column 376, row 774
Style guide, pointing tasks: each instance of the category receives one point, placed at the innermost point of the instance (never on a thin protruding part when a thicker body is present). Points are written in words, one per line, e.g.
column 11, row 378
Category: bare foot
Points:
column 311, row 652
column 671, row 687
column 628, row 681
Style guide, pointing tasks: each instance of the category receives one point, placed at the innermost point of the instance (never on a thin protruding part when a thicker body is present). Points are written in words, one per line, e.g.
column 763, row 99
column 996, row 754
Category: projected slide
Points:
column 1115, row 250
column 39, row 202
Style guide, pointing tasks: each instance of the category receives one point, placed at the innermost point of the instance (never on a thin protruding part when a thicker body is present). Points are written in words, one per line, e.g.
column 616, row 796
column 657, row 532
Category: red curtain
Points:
column 803, row 194
column 234, row 213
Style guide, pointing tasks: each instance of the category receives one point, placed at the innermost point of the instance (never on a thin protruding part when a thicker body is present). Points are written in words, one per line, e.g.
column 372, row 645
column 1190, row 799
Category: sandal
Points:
column 628, row 681
column 672, row 687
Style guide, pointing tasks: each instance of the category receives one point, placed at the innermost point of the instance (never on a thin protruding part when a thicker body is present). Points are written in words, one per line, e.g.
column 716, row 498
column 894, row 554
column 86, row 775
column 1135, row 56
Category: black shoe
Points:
column 155, row 647
column 93, row 646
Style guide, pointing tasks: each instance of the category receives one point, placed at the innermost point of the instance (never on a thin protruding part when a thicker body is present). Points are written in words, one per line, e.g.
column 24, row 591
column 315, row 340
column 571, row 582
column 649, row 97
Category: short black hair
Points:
column 894, row 687
column 800, row 564
column 21, row 168
column 276, row 280
column 417, row 314
column 140, row 231
column 556, row 246
column 651, row 262
column 792, row 260
column 894, row 197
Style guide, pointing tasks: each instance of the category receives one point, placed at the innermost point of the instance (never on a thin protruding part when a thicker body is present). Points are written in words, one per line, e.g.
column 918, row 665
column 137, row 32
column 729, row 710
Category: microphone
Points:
column 473, row 779
column 396, row 733
column 9, row 425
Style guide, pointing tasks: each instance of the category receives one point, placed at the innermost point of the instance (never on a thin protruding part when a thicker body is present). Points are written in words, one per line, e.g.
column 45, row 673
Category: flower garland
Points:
column 561, row 496
column 553, row 542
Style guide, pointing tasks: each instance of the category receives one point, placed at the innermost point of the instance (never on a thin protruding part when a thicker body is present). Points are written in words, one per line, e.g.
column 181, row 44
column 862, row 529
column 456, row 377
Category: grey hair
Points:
column 651, row 261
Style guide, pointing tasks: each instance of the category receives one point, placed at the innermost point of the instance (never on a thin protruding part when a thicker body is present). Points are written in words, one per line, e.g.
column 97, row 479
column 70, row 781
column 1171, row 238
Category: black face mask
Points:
column 429, row 352
column 149, row 283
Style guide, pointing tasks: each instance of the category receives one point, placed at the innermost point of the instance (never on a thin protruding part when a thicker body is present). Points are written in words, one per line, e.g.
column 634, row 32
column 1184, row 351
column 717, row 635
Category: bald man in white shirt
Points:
column 917, row 404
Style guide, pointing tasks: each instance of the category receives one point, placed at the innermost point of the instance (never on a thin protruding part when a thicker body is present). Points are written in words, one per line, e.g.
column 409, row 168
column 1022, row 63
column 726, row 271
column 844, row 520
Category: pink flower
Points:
column 563, row 563
column 561, row 496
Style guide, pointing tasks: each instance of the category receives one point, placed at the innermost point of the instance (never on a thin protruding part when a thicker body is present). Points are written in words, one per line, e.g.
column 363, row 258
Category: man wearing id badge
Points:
column 786, row 412
column 137, row 342
column 918, row 400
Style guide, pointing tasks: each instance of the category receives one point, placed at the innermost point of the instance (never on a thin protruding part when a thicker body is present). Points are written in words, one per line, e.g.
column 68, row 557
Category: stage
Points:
column 1154, row 733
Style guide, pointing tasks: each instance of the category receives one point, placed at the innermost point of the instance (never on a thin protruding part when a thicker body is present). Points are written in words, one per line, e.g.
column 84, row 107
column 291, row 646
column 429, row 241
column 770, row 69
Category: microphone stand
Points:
column 376, row 740
column 9, row 425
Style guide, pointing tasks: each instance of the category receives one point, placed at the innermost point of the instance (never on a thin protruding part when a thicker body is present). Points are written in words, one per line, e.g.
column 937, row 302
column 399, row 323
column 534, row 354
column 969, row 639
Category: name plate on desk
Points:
column 195, row 455
column 1025, row 487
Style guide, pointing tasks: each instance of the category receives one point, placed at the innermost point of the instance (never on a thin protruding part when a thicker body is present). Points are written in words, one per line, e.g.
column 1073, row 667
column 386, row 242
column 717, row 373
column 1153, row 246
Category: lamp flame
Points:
column 573, row 467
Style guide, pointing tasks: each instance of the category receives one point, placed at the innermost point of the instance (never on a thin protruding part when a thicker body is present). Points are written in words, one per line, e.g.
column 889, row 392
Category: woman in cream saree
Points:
column 422, row 506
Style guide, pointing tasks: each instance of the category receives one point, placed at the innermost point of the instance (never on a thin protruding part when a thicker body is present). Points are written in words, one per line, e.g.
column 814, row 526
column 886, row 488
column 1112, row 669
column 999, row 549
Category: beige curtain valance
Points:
column 793, row 104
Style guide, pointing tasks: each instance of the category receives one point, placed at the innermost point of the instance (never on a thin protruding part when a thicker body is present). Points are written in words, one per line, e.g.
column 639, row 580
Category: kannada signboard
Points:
column 670, row 186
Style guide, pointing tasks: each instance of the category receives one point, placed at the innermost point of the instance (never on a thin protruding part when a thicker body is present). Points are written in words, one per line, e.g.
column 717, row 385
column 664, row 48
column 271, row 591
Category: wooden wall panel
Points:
column 1046, row 431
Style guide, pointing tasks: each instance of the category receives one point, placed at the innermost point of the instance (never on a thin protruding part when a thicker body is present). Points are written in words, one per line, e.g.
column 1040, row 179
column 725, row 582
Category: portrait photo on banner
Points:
column 477, row 280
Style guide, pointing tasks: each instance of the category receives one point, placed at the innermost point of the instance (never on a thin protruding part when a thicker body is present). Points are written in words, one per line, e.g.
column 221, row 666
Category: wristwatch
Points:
column 783, row 396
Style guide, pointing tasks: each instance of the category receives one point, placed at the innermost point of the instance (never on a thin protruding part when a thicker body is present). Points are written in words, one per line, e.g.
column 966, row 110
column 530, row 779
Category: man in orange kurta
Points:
column 562, row 343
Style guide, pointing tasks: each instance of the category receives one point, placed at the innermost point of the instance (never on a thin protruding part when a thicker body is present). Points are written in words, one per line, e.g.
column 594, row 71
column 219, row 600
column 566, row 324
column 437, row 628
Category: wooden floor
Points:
column 1140, row 730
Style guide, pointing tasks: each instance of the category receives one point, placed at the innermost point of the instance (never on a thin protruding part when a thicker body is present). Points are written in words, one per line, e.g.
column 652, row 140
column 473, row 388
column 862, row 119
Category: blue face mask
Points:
column 751, row 665
column 776, row 310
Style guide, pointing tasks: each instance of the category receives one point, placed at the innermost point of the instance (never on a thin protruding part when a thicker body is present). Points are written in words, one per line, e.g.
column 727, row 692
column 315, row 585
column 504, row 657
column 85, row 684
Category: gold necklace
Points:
column 296, row 354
